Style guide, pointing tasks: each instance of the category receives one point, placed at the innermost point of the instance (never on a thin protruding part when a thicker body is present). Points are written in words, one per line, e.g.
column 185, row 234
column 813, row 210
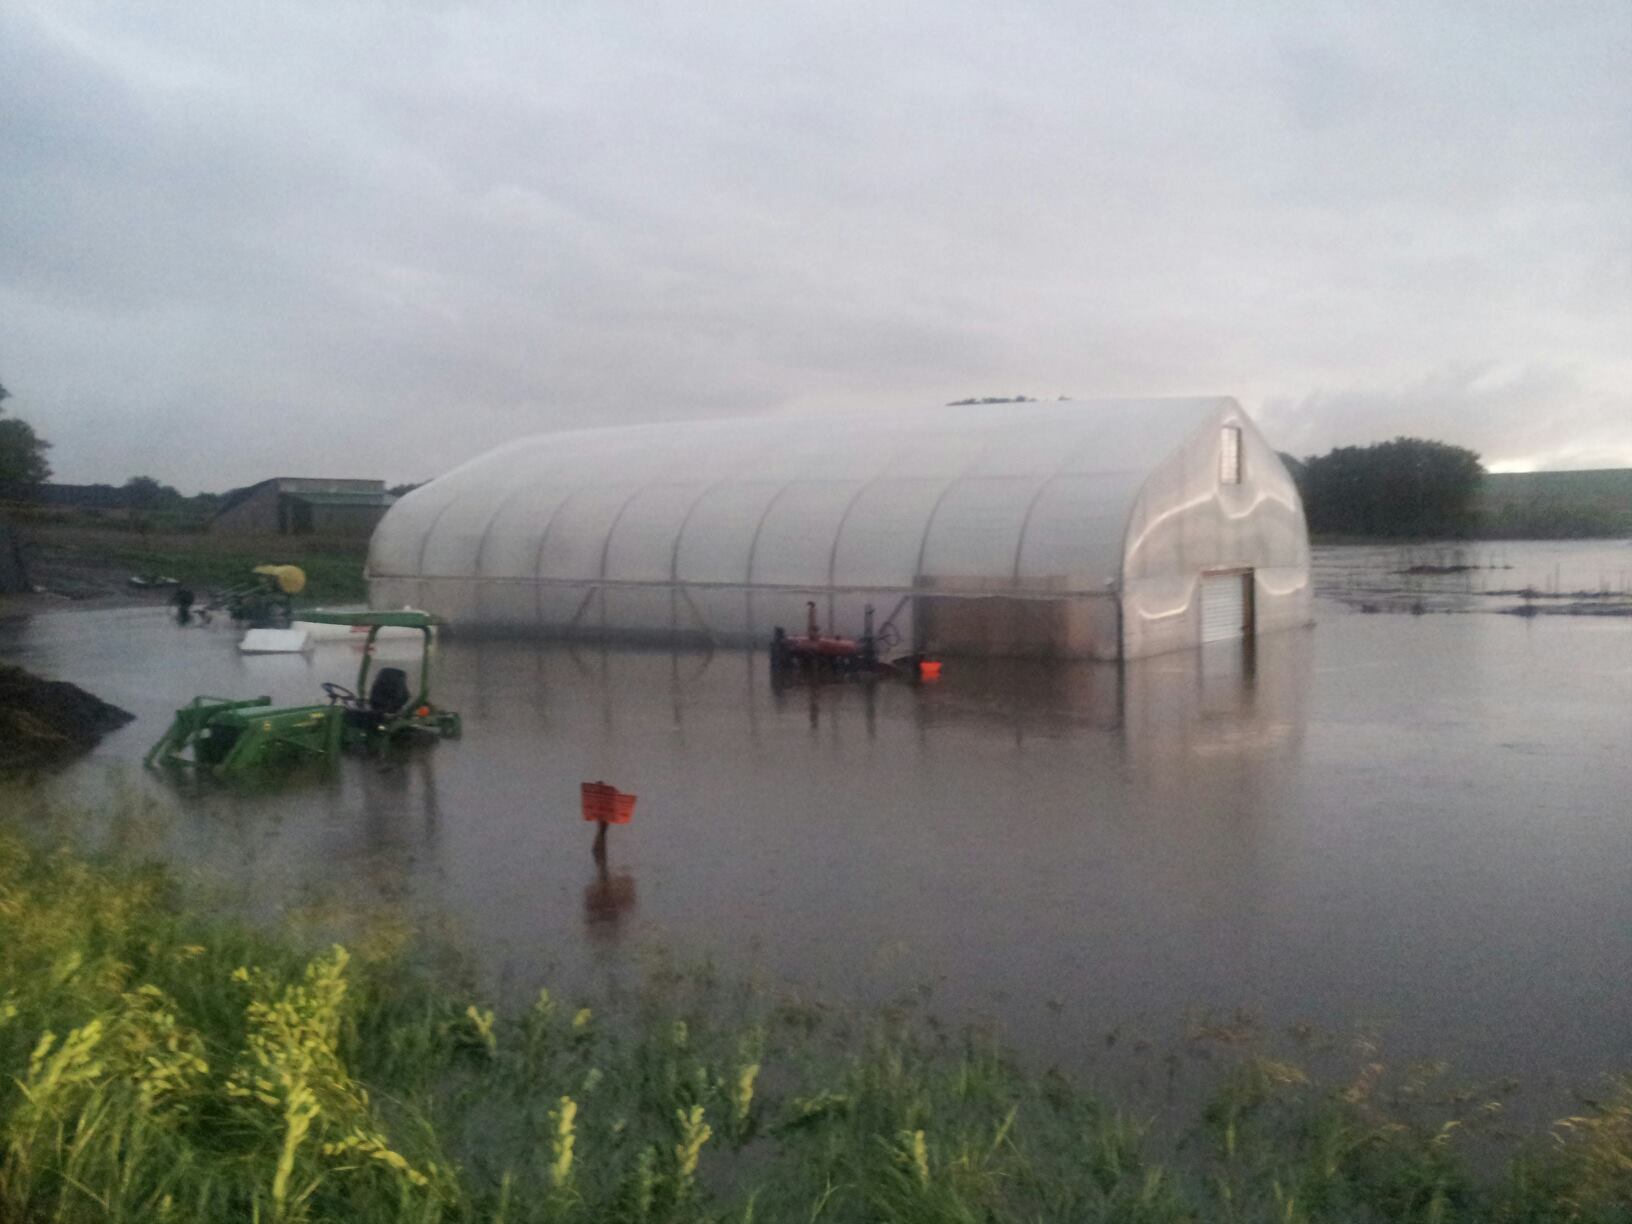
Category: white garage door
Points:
column 1224, row 606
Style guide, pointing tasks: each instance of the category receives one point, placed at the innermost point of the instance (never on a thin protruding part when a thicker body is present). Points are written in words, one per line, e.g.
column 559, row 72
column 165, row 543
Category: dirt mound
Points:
column 45, row 720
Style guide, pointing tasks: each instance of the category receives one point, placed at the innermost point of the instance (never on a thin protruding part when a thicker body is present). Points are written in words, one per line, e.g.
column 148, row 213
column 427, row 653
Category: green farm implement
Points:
column 226, row 737
column 266, row 597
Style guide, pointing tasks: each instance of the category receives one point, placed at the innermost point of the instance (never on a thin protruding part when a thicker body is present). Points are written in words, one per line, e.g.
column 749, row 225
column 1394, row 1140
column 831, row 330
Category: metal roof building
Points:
column 303, row 505
column 1071, row 529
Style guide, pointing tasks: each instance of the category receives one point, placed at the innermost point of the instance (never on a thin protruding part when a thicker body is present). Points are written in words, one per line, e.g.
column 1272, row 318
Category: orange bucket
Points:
column 605, row 804
column 929, row 669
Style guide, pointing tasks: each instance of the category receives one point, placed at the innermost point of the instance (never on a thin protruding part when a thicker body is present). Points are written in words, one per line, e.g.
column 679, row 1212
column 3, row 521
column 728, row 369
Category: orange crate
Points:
column 605, row 804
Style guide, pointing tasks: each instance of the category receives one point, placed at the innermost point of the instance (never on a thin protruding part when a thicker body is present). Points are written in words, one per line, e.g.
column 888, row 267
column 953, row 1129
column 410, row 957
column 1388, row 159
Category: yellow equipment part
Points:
column 291, row 579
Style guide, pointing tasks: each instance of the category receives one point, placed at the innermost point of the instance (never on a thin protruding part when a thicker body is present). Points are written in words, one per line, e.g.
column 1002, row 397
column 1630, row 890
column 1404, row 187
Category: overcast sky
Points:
column 353, row 239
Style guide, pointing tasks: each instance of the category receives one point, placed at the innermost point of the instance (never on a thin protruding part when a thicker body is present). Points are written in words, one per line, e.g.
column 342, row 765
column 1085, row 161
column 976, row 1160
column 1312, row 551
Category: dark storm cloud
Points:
column 379, row 238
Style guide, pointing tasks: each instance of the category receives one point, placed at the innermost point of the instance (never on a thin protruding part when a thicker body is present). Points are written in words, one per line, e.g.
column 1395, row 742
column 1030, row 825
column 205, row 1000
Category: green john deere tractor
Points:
column 226, row 737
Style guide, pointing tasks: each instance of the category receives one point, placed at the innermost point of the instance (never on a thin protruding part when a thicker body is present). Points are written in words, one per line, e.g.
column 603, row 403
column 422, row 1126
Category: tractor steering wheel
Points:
column 340, row 693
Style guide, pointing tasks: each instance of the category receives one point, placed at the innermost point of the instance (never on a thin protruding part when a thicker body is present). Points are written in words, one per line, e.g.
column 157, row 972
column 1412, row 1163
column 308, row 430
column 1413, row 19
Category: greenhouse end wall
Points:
column 1187, row 523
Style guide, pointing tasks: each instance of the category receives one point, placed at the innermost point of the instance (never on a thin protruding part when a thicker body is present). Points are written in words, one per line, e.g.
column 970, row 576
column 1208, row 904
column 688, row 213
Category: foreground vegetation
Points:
column 162, row 1065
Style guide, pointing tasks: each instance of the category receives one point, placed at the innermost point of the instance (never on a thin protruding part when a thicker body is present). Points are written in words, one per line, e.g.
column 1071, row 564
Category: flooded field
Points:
column 1417, row 824
column 1519, row 577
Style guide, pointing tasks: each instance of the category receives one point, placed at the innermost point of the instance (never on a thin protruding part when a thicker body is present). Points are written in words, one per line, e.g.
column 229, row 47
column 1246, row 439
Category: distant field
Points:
column 1556, row 505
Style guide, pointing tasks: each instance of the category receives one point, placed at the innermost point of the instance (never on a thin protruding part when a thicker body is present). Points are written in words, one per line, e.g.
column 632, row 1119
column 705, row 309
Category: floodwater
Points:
column 1418, row 824
column 1528, row 577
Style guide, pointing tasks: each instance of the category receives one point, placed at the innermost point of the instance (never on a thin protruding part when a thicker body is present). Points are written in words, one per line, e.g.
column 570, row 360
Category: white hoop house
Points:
column 1075, row 529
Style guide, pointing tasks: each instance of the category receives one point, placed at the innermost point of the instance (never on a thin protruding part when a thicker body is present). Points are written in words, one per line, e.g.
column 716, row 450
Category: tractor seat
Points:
column 389, row 692
column 386, row 698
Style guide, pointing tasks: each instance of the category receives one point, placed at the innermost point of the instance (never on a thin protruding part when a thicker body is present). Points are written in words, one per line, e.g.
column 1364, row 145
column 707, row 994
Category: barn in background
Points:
column 1073, row 529
column 303, row 505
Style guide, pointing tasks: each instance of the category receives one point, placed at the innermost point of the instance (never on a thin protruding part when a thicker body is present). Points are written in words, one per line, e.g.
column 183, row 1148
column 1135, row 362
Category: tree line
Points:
column 25, row 471
column 22, row 454
column 1407, row 488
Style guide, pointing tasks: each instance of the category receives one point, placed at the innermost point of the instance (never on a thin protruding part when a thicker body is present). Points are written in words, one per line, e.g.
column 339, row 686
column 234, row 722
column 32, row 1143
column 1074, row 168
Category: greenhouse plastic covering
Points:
column 652, row 526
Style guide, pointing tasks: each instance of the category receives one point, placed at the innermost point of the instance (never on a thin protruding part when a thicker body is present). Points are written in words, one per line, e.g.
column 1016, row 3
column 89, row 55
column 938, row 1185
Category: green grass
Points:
column 334, row 573
column 161, row 1064
column 334, row 566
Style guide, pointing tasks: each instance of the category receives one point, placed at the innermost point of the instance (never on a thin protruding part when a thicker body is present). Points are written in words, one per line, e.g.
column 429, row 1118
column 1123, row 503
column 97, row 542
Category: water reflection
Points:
column 610, row 897
column 1227, row 701
column 607, row 900
column 1228, row 697
column 399, row 801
